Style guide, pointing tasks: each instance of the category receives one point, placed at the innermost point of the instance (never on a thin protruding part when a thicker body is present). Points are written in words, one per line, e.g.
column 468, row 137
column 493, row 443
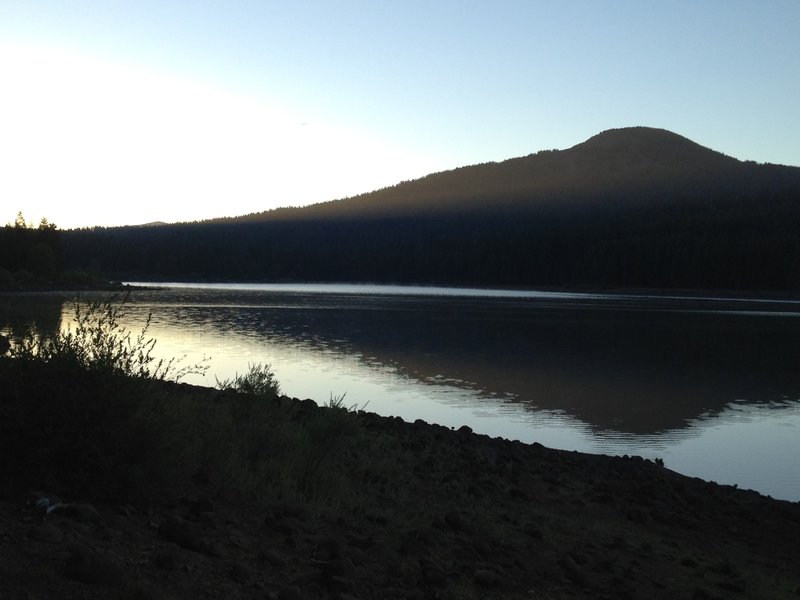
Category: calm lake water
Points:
column 711, row 385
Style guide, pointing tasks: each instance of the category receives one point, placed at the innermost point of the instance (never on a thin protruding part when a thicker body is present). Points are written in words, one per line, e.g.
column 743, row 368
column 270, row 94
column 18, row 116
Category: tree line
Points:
column 744, row 241
column 29, row 252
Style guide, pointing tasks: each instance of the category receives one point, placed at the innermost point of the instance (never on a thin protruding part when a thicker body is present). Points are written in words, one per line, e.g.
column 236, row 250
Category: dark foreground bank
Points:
column 175, row 491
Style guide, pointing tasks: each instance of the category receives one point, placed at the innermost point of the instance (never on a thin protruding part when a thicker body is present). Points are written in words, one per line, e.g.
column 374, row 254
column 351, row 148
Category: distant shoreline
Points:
column 412, row 289
column 65, row 287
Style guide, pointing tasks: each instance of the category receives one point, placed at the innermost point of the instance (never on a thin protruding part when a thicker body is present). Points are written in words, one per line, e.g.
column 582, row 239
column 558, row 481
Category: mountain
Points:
column 618, row 163
column 634, row 207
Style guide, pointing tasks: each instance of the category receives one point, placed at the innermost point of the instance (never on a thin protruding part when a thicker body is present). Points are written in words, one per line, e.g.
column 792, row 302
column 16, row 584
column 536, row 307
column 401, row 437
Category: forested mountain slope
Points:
column 635, row 207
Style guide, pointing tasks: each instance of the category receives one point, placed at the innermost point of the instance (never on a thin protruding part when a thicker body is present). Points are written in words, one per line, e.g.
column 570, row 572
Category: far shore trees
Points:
column 29, row 253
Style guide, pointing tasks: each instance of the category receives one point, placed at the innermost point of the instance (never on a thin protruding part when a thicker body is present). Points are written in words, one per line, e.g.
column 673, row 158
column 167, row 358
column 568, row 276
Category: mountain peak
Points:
column 647, row 144
column 638, row 134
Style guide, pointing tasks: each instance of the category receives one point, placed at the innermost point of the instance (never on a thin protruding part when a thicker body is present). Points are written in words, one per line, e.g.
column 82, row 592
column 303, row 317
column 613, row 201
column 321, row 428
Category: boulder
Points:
column 188, row 535
column 45, row 532
column 93, row 566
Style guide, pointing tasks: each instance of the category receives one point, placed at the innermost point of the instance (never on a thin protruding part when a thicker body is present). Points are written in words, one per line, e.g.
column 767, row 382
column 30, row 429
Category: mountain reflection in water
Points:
column 678, row 378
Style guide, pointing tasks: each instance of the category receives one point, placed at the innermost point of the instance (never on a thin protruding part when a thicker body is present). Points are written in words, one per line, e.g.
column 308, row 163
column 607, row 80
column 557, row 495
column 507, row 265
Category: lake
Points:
column 710, row 385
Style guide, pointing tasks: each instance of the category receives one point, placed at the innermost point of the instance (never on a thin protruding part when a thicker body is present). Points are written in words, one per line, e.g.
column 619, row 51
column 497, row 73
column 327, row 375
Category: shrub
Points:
column 89, row 413
column 76, row 411
column 97, row 341
column 259, row 381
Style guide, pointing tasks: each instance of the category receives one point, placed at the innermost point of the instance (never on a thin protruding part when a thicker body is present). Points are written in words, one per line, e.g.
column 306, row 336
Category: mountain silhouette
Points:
column 632, row 207
column 654, row 163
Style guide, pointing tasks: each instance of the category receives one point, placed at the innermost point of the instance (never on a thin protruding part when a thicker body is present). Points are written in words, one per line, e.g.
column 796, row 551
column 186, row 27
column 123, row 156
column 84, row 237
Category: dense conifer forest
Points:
column 29, row 252
column 630, row 208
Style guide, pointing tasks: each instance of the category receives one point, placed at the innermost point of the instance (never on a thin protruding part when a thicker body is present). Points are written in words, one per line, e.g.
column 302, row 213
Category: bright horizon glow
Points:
column 130, row 113
column 122, row 137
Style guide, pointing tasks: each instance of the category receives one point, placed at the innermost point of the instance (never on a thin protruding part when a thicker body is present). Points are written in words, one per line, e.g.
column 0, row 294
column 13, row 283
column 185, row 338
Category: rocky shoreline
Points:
column 458, row 515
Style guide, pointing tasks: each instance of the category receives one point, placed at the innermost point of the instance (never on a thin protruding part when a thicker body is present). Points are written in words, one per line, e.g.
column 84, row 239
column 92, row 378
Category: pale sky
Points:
column 115, row 112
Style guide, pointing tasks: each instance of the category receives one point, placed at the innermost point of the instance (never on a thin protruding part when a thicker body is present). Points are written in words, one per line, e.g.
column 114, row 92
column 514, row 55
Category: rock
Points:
column 83, row 513
column 573, row 572
column 411, row 546
column 167, row 558
column 201, row 506
column 46, row 503
column 637, row 515
column 93, row 566
column 486, row 578
column 618, row 543
column 466, row 553
column 279, row 525
column 142, row 590
column 286, row 510
column 127, row 511
column 187, row 535
column 533, row 531
column 518, row 494
column 455, row 521
column 239, row 573
column 106, row 534
column 337, row 584
column 329, row 549
column 290, row 593
column 202, row 477
column 45, row 532
column 433, row 576
column 208, row 519
column 273, row 558
column 334, row 574
column 362, row 543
